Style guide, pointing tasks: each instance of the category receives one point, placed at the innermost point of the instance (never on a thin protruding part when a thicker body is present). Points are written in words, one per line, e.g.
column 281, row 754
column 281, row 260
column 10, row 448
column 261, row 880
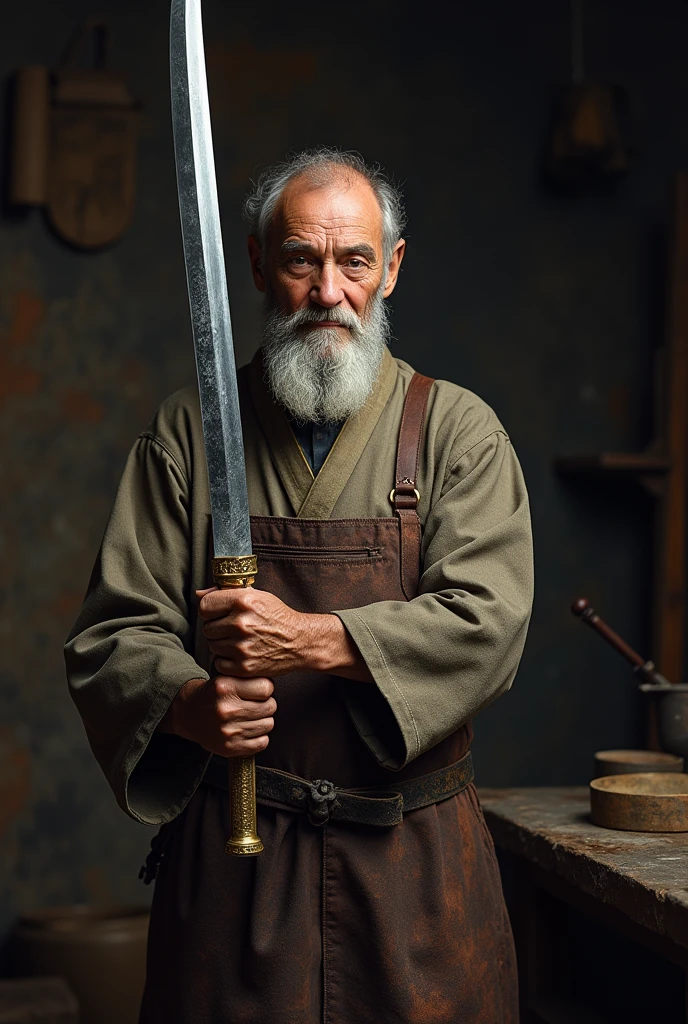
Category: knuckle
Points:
column 223, row 687
column 231, row 711
column 265, row 688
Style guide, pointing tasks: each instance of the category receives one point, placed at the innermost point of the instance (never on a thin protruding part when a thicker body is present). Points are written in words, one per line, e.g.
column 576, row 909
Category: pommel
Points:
column 580, row 606
column 235, row 571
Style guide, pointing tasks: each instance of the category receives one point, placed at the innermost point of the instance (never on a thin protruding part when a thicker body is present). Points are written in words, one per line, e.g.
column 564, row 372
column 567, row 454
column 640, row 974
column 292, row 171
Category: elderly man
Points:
column 391, row 523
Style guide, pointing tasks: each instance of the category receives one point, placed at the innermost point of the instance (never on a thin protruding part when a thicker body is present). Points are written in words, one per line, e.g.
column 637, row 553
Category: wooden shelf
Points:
column 662, row 470
column 618, row 463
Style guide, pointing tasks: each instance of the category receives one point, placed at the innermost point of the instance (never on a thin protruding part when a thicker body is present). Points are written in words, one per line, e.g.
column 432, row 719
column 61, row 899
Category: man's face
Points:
column 324, row 251
column 325, row 325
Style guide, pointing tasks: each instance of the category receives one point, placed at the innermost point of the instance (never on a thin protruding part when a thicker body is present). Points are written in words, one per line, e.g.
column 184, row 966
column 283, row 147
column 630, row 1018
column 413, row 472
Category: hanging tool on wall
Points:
column 588, row 135
column 74, row 143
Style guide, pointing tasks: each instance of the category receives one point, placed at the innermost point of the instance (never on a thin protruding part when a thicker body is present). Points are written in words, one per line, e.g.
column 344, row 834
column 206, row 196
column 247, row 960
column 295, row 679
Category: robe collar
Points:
column 316, row 498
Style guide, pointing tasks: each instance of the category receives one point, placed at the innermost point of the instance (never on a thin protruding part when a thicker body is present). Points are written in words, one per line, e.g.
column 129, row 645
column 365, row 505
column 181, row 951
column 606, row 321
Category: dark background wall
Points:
column 548, row 306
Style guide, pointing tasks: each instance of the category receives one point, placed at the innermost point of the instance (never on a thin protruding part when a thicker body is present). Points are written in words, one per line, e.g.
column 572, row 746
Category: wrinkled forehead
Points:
column 342, row 208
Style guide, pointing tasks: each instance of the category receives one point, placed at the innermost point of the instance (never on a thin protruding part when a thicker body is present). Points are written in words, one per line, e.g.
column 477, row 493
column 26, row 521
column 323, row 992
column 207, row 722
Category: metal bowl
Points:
column 629, row 762
column 644, row 802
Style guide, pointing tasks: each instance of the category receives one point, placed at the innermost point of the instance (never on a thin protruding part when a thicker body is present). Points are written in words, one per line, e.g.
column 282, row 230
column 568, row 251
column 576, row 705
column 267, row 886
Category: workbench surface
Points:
column 642, row 874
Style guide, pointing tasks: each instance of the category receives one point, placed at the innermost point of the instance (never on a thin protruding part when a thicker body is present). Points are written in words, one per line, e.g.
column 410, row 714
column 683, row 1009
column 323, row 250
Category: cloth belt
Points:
column 322, row 800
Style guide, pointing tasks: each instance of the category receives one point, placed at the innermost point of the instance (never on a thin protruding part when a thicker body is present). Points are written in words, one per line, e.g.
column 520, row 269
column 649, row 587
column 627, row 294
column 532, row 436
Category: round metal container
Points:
column 671, row 703
column 629, row 762
column 644, row 802
column 101, row 953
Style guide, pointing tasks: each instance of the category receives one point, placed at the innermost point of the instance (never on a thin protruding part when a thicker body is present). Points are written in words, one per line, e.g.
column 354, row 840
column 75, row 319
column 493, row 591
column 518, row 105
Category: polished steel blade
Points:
column 205, row 275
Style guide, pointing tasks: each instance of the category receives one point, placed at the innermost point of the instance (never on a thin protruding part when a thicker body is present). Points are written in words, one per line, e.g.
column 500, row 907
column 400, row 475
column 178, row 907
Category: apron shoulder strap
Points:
column 405, row 496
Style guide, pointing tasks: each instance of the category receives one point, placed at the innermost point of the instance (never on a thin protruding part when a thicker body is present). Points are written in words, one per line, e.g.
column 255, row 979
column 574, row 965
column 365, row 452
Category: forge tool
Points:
column 671, row 699
column 645, row 669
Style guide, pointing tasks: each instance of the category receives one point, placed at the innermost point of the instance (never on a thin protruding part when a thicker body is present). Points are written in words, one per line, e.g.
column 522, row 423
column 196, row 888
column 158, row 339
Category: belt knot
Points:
column 322, row 801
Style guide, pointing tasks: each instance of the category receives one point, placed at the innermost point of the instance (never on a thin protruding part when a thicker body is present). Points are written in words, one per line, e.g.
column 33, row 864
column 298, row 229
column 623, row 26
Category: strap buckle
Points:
column 405, row 489
column 322, row 801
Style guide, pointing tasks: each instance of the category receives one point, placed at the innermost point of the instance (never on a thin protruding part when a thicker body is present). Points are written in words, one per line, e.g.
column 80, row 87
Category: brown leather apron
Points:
column 342, row 924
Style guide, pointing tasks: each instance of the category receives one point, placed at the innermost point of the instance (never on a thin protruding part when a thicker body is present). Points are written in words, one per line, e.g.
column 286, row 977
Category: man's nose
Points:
column 327, row 290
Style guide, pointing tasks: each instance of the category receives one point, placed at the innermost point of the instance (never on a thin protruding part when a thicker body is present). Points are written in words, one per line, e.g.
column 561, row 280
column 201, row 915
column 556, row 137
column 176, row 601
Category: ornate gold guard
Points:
column 243, row 840
column 235, row 572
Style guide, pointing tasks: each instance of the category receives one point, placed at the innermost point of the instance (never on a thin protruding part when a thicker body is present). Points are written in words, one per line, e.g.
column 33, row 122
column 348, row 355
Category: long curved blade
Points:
column 205, row 274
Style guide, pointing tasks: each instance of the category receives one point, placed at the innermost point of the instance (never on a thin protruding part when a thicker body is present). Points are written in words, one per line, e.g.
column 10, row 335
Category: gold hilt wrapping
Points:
column 243, row 840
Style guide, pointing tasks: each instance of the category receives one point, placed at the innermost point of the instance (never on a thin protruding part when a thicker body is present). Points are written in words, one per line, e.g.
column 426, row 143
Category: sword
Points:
column 234, row 565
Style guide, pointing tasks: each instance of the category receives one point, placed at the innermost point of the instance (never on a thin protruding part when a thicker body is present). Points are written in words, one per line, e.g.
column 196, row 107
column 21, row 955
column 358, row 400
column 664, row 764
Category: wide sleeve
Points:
column 440, row 658
column 129, row 651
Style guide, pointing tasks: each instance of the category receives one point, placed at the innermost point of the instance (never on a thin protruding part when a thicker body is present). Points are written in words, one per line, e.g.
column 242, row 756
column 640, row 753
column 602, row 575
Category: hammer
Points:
column 645, row 669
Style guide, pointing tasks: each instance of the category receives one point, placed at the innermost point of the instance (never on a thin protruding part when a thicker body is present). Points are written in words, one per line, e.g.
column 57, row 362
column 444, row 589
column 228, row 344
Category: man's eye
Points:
column 356, row 264
column 298, row 261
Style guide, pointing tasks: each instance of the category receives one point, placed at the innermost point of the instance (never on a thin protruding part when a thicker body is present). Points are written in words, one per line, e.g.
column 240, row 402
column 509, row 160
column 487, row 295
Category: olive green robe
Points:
column 435, row 661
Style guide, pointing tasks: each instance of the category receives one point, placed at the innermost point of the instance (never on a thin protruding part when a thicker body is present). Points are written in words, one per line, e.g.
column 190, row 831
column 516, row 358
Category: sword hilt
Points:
column 235, row 571
column 243, row 816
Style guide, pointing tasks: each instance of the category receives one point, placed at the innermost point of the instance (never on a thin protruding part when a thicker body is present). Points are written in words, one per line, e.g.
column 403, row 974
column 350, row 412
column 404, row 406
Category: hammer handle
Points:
column 587, row 613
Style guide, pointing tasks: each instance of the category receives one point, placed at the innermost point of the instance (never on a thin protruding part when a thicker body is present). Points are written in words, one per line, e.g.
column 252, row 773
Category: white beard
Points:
column 321, row 375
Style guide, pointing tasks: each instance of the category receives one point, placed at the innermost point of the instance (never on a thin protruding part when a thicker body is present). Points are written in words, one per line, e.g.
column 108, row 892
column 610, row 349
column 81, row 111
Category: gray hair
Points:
column 321, row 165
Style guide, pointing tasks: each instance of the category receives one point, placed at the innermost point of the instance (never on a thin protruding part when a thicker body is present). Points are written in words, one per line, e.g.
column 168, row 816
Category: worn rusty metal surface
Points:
column 641, row 874
column 641, row 802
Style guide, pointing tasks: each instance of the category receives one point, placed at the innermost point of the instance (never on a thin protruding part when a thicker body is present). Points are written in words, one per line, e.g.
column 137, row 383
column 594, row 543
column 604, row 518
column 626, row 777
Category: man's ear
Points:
column 393, row 267
column 255, row 254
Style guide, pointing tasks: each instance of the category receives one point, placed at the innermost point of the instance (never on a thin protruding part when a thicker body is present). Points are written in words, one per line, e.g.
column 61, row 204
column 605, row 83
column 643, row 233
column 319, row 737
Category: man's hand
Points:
column 253, row 633
column 227, row 716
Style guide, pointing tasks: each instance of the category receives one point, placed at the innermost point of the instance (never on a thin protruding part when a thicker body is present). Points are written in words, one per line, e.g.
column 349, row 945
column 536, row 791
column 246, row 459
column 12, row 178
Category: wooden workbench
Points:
column 600, row 917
